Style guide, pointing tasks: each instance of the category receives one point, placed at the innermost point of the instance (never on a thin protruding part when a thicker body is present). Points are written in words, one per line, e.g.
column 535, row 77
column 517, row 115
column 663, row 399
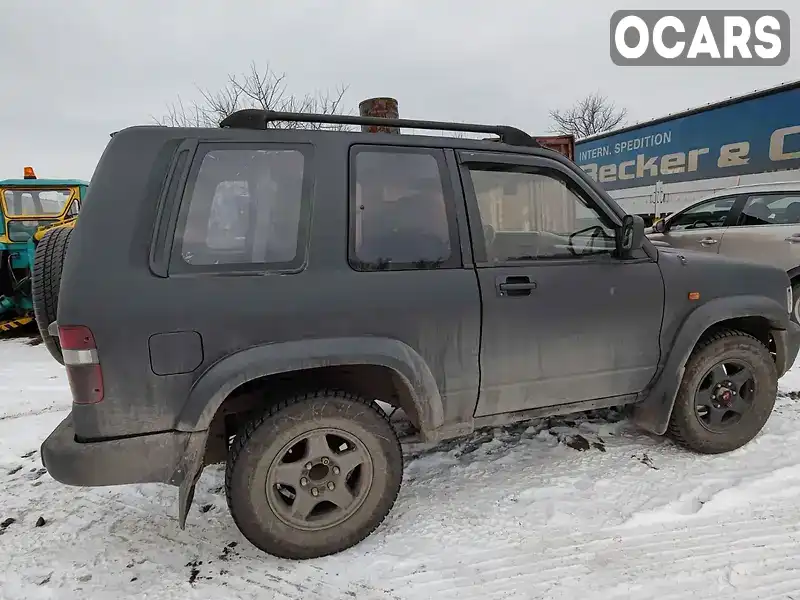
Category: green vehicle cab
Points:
column 29, row 207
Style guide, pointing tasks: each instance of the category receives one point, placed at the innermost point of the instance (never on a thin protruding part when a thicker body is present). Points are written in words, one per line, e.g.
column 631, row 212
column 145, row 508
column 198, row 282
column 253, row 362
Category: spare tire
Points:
column 47, row 266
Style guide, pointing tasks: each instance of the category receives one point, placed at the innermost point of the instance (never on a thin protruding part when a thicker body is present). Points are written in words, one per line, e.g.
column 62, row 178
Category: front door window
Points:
column 706, row 215
column 532, row 214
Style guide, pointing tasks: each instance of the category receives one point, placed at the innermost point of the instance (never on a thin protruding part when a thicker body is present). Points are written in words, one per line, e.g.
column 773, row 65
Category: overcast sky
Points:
column 73, row 71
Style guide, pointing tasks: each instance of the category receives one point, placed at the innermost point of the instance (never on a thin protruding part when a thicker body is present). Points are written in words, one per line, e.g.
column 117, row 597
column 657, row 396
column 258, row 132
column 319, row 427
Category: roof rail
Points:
column 254, row 118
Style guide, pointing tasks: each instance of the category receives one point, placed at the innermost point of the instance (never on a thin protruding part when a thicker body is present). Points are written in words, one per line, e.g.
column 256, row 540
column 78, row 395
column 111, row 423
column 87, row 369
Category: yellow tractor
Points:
column 32, row 211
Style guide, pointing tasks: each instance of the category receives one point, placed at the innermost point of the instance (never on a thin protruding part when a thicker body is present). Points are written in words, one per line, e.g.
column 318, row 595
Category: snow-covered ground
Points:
column 571, row 508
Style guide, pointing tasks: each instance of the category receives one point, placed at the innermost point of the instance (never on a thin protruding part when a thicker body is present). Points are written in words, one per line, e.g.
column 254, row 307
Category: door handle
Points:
column 705, row 241
column 516, row 286
column 793, row 239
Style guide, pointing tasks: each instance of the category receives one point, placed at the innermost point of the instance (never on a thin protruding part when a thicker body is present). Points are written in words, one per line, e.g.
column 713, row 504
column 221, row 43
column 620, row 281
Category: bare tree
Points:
column 594, row 114
column 253, row 89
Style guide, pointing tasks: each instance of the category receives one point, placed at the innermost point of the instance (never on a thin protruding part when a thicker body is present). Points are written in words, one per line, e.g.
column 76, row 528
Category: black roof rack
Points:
column 254, row 118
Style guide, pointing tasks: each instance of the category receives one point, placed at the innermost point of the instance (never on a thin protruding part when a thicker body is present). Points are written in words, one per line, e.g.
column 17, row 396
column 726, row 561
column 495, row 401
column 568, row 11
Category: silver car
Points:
column 758, row 222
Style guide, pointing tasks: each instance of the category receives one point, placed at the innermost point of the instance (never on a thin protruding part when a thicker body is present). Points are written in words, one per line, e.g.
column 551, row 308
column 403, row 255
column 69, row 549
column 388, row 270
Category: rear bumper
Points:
column 154, row 458
column 787, row 345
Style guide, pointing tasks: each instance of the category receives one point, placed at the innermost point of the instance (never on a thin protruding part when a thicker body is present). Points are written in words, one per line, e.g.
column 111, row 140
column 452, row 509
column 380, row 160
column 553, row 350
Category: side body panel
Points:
column 718, row 281
column 433, row 312
column 777, row 245
column 589, row 330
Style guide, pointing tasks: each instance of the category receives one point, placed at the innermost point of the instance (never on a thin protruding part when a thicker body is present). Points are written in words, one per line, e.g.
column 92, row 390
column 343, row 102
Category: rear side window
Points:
column 771, row 209
column 402, row 215
column 244, row 208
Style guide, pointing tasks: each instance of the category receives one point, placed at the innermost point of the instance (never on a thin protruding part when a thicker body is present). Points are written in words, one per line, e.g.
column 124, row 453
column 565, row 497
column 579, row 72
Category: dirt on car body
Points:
column 263, row 288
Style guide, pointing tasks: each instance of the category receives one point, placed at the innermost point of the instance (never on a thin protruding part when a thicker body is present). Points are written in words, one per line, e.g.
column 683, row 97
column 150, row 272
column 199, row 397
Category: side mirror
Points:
column 631, row 234
column 660, row 226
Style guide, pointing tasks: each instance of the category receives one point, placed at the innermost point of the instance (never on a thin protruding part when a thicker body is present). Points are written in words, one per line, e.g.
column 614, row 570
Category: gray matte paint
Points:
column 462, row 350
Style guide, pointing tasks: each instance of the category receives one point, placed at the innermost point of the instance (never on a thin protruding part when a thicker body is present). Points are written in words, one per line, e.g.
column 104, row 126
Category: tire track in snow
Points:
column 113, row 520
column 668, row 554
column 34, row 413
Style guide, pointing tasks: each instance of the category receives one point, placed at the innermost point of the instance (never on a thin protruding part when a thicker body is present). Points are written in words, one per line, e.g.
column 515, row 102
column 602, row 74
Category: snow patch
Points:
column 582, row 506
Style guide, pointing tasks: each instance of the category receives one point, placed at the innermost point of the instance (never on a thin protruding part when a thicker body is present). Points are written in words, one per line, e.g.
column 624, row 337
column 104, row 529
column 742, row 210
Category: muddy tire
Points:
column 47, row 266
column 796, row 302
column 727, row 394
column 314, row 475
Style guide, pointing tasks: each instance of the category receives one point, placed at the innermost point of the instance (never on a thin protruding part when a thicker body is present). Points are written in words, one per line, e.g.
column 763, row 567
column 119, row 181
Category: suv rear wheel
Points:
column 47, row 266
column 727, row 394
column 314, row 475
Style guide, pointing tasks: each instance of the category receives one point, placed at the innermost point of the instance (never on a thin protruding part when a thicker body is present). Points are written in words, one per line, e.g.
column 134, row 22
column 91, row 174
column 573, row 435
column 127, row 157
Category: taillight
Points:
column 82, row 362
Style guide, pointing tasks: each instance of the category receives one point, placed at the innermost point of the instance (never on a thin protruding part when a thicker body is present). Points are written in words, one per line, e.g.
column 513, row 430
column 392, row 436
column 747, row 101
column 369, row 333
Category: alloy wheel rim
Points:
column 319, row 479
column 725, row 395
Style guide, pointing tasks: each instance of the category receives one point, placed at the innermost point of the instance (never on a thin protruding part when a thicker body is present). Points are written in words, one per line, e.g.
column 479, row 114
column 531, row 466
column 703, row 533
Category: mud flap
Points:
column 654, row 411
column 189, row 472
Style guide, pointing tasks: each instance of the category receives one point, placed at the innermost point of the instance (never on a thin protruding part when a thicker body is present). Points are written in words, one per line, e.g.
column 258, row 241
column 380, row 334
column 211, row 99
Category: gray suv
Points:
column 247, row 294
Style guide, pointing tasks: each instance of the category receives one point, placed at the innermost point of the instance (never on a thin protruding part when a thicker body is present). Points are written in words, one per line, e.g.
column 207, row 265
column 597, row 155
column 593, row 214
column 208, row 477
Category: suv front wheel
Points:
column 727, row 393
column 314, row 475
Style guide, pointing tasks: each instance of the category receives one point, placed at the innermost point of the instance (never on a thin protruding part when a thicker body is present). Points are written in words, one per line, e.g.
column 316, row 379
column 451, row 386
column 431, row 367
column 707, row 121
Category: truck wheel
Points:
column 796, row 302
column 47, row 265
column 727, row 394
column 314, row 475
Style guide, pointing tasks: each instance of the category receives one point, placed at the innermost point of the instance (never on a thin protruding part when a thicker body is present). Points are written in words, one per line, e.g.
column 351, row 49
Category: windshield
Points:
column 34, row 202
column 22, row 231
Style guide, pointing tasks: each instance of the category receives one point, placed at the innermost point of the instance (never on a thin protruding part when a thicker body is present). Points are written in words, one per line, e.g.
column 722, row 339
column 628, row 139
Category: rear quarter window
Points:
column 245, row 207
